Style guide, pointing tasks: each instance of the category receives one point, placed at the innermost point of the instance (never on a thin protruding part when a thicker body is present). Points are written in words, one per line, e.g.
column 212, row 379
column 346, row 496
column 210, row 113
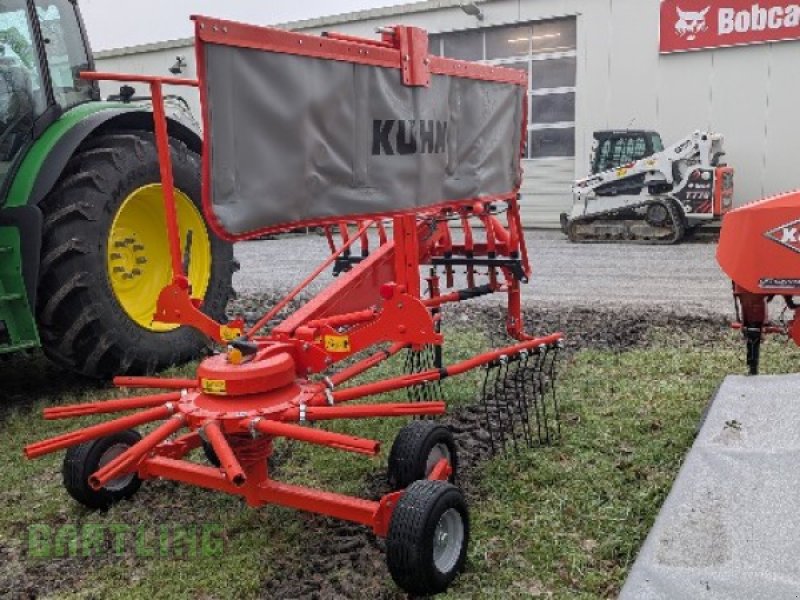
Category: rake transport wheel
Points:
column 105, row 258
column 428, row 537
column 417, row 449
column 80, row 462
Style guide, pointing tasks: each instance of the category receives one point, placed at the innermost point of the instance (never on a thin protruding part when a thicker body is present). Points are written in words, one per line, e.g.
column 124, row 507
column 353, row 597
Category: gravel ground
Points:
column 683, row 278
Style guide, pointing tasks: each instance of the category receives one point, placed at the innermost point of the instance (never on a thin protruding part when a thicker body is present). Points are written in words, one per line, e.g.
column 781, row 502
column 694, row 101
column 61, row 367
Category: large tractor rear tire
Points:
column 105, row 258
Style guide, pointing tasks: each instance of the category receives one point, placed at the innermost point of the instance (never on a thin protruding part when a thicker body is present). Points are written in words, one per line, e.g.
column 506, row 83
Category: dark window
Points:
column 546, row 143
column 658, row 145
column 554, row 73
column 554, row 36
column 466, row 45
column 22, row 96
column 553, row 108
column 505, row 42
column 621, row 151
column 435, row 44
column 546, row 50
column 522, row 66
column 66, row 51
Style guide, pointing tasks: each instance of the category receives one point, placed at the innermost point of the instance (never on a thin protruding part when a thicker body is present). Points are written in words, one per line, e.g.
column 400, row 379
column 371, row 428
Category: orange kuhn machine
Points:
column 758, row 249
column 345, row 134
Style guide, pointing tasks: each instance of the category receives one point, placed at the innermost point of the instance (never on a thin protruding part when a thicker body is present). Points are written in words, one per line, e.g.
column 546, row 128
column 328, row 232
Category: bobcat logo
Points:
column 690, row 24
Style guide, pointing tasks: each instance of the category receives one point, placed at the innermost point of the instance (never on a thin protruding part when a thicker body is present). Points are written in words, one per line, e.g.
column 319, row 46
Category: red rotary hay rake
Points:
column 430, row 142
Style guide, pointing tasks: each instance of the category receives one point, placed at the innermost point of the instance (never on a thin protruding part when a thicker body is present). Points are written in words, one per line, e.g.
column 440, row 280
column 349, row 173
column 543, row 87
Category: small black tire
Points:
column 428, row 537
column 417, row 449
column 81, row 462
column 83, row 326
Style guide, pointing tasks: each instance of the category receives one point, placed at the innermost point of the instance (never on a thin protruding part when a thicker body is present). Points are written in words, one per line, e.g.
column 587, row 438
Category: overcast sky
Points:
column 117, row 23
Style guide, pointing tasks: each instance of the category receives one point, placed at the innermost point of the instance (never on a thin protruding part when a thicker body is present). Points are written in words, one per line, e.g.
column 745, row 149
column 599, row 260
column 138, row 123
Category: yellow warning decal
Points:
column 228, row 334
column 214, row 386
column 337, row 343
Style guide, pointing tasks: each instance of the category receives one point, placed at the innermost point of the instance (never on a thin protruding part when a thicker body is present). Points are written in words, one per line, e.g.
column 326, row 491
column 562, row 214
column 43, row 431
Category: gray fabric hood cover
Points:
column 300, row 140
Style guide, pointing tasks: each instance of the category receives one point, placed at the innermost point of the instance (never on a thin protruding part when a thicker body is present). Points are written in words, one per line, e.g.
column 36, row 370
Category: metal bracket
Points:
column 413, row 44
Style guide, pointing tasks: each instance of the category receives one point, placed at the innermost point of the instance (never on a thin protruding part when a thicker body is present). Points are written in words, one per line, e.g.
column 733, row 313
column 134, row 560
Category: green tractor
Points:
column 83, row 243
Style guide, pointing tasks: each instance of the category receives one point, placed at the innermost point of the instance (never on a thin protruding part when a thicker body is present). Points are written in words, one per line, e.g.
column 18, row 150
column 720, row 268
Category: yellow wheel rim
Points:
column 139, row 265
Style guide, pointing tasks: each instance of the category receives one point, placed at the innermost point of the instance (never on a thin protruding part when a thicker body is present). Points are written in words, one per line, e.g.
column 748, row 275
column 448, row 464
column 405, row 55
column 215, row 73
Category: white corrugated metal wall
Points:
column 750, row 94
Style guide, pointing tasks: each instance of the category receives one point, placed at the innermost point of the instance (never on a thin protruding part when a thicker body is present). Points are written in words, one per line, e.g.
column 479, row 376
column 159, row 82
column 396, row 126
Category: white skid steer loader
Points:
column 639, row 191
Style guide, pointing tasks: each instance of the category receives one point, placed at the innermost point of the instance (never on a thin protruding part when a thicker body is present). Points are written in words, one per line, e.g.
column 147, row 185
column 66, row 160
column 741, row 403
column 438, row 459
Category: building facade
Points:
column 604, row 64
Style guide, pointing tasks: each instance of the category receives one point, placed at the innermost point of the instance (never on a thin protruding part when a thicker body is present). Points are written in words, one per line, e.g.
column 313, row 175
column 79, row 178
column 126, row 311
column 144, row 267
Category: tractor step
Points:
column 17, row 326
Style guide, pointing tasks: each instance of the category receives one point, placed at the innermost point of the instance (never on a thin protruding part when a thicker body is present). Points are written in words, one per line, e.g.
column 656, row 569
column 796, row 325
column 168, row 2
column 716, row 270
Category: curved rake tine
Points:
column 535, row 384
column 543, row 394
column 109, row 406
column 125, row 461
column 489, row 370
column 408, row 367
column 553, row 374
column 87, row 434
column 427, row 364
column 521, row 393
column 505, row 416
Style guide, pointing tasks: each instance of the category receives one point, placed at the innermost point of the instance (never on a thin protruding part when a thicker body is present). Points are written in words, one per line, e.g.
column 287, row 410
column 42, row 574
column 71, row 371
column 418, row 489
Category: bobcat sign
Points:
column 702, row 24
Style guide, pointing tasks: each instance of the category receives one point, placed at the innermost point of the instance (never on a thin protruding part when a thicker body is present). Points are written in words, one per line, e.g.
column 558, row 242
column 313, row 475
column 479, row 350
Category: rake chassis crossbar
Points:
column 276, row 379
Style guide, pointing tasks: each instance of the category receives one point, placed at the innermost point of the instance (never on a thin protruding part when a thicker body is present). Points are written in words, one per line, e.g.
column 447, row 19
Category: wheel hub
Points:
column 138, row 255
column 437, row 453
column 120, row 483
column 128, row 258
column 448, row 540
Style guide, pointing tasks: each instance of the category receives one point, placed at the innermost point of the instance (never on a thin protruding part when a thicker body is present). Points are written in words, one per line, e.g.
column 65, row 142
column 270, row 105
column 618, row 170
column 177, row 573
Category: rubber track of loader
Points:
column 676, row 217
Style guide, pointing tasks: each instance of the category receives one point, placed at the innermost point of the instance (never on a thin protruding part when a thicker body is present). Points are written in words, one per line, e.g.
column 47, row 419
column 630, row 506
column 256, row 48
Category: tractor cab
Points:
column 43, row 49
column 614, row 148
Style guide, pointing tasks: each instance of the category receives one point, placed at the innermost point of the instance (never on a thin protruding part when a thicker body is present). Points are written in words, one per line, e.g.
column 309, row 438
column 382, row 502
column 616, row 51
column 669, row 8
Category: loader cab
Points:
column 43, row 49
column 614, row 148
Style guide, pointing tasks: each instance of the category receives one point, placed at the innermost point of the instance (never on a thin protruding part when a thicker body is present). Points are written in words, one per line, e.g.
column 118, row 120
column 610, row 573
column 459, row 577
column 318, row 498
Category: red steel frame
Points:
column 401, row 47
column 264, row 387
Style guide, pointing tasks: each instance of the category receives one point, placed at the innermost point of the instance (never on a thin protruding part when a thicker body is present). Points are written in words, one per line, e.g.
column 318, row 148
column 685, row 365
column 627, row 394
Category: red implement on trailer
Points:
column 348, row 135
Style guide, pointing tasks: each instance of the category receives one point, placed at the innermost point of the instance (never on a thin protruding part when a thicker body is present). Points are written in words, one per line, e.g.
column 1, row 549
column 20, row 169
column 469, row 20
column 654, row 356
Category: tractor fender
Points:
column 46, row 159
column 101, row 122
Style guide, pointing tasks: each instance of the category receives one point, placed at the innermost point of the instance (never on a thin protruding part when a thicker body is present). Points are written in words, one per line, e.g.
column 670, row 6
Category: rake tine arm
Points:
column 109, row 406
column 387, row 385
column 404, row 381
column 482, row 359
column 80, row 436
column 304, row 284
column 227, row 459
column 124, row 462
column 364, row 365
column 314, row 436
column 366, row 411
column 155, row 383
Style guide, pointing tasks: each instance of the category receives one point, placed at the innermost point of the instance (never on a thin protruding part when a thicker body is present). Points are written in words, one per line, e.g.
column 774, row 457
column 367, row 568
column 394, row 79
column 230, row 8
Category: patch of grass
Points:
column 568, row 521
column 562, row 522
